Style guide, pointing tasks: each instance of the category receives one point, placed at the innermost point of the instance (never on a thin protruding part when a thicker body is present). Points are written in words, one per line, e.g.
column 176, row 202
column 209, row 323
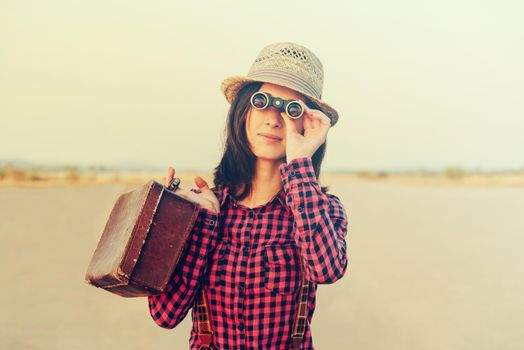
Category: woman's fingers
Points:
column 317, row 120
column 204, row 188
column 290, row 125
column 202, row 195
column 308, row 121
column 207, row 192
column 201, row 183
column 170, row 175
column 320, row 116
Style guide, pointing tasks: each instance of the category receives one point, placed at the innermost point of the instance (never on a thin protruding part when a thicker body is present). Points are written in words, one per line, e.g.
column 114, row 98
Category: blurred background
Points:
column 98, row 97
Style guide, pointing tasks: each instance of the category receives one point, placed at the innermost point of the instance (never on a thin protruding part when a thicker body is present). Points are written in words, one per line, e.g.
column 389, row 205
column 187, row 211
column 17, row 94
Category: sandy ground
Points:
column 430, row 268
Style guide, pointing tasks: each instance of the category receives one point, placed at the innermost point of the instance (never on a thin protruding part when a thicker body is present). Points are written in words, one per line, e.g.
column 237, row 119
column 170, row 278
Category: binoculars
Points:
column 262, row 100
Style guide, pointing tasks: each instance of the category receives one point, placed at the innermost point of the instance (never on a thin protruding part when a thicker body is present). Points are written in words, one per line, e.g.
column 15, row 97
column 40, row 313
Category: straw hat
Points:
column 286, row 64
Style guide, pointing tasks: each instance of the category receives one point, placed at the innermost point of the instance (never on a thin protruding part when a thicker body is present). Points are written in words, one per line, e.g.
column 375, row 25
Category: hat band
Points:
column 285, row 78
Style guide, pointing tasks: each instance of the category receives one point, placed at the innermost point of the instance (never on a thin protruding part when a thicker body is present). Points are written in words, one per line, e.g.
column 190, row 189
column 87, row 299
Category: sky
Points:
column 417, row 84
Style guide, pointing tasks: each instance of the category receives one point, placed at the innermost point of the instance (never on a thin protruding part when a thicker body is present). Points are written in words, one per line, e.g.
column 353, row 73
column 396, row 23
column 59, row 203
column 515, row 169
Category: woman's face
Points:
column 269, row 121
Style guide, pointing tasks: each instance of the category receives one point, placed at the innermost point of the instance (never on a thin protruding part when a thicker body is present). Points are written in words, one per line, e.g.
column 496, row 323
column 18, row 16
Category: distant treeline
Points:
column 17, row 173
column 447, row 172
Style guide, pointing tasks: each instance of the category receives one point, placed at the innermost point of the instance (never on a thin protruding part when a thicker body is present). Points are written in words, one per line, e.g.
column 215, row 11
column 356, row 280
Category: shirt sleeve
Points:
column 320, row 222
column 170, row 308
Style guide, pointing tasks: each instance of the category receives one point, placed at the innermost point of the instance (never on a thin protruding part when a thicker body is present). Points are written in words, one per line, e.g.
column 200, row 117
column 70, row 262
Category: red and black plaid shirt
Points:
column 248, row 261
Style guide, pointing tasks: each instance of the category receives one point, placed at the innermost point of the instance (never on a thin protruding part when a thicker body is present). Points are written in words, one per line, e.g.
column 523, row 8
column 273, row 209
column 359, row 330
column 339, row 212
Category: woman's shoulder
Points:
column 336, row 205
column 331, row 195
column 218, row 189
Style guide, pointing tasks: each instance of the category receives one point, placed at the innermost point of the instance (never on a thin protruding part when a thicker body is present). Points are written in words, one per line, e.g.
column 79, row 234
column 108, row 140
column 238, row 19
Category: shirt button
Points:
column 300, row 209
column 211, row 222
column 292, row 173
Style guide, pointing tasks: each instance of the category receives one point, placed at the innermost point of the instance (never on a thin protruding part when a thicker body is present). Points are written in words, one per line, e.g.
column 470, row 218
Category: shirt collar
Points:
column 280, row 196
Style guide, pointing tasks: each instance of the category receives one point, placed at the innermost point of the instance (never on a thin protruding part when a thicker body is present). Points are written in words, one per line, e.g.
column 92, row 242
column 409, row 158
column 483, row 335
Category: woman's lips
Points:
column 270, row 137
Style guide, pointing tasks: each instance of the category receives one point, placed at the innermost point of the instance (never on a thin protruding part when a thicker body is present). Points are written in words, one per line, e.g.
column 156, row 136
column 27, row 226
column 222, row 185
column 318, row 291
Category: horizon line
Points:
column 129, row 166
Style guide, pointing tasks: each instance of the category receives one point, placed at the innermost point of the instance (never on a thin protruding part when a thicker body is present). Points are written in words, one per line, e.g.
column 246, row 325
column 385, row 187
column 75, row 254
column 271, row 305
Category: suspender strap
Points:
column 205, row 333
column 299, row 326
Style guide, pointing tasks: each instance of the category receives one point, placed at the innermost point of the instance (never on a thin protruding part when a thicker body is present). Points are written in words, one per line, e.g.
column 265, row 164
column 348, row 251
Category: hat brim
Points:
column 230, row 87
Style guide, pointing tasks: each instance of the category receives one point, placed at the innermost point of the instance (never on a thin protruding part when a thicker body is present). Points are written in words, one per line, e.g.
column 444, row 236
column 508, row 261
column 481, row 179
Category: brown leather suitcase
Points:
column 142, row 241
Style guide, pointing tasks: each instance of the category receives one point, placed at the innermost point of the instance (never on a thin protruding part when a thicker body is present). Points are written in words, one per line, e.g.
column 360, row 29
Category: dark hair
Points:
column 237, row 166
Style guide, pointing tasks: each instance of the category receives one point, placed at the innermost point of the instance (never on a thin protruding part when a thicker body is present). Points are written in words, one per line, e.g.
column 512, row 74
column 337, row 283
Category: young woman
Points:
column 267, row 234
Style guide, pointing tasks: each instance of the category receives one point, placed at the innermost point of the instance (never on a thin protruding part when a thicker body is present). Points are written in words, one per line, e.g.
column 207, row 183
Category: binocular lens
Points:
column 259, row 100
column 294, row 110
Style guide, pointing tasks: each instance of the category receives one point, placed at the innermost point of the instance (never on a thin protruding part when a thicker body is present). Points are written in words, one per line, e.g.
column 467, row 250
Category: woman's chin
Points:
column 271, row 157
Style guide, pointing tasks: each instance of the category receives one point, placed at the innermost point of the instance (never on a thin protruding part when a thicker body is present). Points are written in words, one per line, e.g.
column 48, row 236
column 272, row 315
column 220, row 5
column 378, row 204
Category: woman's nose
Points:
column 274, row 119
